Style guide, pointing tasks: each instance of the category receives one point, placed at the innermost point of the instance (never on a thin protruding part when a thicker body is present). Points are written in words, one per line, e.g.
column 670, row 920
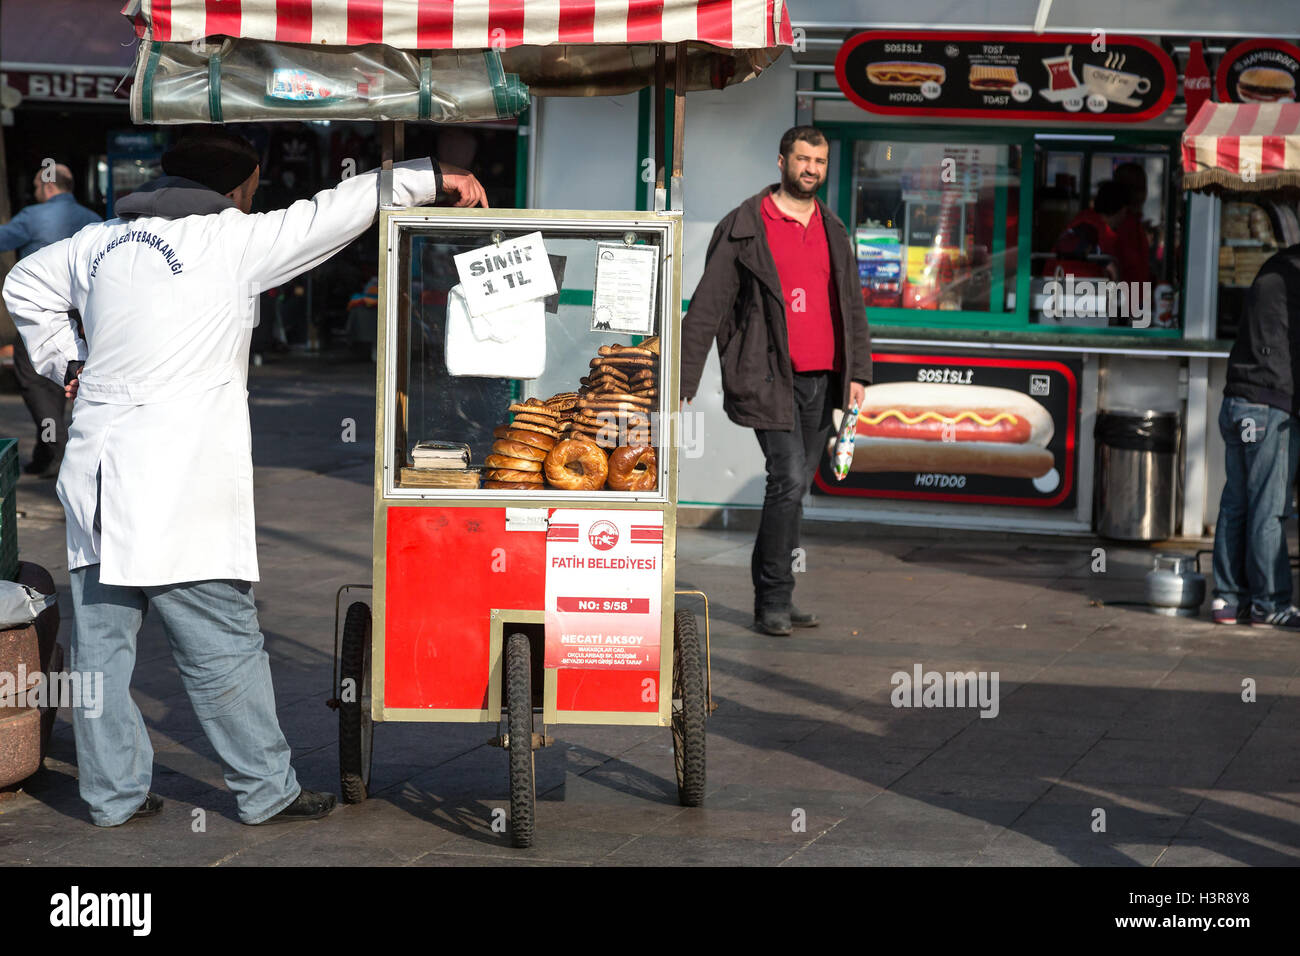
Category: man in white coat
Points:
column 157, row 480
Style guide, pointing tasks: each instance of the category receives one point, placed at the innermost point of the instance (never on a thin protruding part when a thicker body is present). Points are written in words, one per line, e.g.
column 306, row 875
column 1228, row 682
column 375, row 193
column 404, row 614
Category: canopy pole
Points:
column 661, row 93
column 679, row 128
column 392, row 139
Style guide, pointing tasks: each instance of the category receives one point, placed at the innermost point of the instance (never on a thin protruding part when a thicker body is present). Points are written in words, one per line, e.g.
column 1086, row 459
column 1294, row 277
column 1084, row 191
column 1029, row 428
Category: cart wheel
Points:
column 519, row 724
column 356, row 730
column 689, row 710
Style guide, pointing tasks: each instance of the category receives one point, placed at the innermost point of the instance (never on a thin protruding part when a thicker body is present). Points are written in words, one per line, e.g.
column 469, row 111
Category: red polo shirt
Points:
column 803, row 262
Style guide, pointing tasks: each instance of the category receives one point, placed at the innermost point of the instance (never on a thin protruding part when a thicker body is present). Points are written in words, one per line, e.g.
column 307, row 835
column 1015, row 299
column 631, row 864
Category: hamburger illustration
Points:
column 1265, row 84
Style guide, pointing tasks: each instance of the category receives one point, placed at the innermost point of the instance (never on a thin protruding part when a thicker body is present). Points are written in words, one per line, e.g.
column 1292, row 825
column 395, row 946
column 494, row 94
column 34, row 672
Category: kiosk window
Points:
column 1104, row 247
column 935, row 225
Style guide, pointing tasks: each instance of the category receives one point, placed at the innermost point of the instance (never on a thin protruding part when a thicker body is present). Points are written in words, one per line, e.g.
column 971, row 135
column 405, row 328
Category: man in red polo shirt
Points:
column 780, row 293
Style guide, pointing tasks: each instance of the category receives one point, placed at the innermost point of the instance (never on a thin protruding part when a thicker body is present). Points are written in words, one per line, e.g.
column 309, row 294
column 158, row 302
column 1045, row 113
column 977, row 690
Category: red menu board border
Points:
column 1154, row 110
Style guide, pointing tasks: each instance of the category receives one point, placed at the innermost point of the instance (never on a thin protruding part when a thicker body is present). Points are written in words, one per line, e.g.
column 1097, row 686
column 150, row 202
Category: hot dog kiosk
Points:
column 961, row 155
column 526, row 450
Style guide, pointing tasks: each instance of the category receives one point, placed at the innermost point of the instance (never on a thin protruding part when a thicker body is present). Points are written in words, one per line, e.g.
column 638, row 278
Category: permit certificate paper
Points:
column 624, row 297
column 499, row 276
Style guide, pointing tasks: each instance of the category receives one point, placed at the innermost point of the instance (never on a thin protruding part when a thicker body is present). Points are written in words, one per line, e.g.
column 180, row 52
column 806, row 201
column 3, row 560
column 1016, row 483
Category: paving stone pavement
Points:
column 1104, row 711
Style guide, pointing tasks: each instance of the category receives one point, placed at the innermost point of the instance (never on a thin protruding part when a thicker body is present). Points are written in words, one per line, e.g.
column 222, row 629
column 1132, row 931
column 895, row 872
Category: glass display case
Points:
column 562, row 394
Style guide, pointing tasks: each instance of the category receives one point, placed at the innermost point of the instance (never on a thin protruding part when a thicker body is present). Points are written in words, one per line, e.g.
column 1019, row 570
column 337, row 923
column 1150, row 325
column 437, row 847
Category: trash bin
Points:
column 1137, row 474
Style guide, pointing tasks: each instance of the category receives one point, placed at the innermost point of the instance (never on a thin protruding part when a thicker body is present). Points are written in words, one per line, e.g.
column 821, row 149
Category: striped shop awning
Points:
column 468, row 24
column 1251, row 147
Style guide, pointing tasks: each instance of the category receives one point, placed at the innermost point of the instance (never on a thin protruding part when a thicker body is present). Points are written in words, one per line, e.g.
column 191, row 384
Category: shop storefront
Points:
column 1021, row 223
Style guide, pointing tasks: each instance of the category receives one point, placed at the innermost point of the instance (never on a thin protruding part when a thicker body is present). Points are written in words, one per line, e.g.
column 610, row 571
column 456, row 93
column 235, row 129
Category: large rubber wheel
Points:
column 356, row 730
column 690, row 709
column 519, row 725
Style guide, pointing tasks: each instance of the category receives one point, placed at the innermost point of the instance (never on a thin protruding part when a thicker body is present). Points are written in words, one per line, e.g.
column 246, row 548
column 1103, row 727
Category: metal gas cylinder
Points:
column 1175, row 586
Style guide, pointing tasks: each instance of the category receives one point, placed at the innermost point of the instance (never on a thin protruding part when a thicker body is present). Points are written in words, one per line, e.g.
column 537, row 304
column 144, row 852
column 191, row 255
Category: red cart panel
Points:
column 447, row 568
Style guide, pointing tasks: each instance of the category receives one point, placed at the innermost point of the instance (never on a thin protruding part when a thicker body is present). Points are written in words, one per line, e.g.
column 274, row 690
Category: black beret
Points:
column 215, row 158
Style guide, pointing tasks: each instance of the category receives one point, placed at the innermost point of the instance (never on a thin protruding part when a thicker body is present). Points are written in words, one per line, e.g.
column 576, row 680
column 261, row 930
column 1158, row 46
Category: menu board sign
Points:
column 962, row 428
column 1259, row 71
column 1050, row 76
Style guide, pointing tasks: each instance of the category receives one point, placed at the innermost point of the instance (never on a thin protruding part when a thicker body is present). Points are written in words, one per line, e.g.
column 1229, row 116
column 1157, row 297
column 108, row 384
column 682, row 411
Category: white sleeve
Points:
column 276, row 246
column 38, row 294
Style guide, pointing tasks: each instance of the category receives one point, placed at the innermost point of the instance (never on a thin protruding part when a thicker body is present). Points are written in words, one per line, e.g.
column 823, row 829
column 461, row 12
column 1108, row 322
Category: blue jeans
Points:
column 217, row 645
column 792, row 460
column 1251, row 565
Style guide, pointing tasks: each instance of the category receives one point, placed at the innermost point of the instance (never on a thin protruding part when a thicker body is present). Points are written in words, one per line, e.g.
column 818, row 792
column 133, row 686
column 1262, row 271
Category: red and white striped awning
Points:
column 468, row 24
column 1250, row 147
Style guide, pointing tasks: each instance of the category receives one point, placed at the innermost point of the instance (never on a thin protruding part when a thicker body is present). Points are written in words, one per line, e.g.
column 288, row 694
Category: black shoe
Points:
column 800, row 619
column 772, row 621
column 151, row 807
column 309, row 805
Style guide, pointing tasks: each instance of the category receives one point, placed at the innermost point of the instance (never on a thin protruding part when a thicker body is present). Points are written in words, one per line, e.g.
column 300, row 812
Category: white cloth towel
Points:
column 505, row 343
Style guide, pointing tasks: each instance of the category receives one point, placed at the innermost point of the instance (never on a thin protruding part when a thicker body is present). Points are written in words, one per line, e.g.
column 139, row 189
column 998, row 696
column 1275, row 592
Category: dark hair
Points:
column 1111, row 198
column 1130, row 175
column 809, row 134
column 214, row 157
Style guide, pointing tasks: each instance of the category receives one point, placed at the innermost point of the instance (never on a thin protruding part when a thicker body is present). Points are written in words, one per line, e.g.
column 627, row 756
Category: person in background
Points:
column 55, row 215
column 1261, row 437
column 780, row 294
column 1132, row 247
column 1091, row 233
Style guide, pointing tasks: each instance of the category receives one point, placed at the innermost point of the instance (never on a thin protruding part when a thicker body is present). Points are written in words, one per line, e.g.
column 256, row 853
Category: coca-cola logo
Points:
column 1196, row 83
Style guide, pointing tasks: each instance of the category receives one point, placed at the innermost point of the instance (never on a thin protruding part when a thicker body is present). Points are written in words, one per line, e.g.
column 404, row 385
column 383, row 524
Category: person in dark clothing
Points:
column 1261, row 435
column 780, row 294
column 1091, row 233
column 55, row 215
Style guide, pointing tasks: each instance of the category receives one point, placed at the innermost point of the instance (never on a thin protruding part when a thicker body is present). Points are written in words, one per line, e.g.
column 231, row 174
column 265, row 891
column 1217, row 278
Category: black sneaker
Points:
column 151, row 807
column 772, row 621
column 800, row 619
column 1287, row 618
column 309, row 805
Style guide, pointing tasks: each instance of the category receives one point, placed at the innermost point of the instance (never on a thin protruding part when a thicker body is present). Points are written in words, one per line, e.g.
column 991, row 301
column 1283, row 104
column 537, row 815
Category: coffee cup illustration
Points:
column 1116, row 85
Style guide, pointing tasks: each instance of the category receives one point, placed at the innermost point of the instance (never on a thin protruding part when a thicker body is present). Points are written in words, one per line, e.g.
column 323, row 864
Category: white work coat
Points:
column 160, row 437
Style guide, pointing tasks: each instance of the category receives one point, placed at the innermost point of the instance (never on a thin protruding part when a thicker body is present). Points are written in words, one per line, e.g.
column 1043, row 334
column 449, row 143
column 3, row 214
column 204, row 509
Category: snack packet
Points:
column 844, row 445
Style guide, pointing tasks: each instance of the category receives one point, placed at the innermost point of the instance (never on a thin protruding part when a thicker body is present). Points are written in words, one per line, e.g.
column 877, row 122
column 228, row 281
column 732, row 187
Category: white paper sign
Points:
column 496, row 277
column 624, row 297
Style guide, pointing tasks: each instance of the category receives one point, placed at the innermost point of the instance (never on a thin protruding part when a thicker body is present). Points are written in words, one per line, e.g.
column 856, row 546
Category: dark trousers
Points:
column 46, row 402
column 792, row 460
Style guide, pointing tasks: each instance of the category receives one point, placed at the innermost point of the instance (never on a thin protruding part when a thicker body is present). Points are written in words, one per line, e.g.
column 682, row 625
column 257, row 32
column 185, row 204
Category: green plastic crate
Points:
column 8, row 508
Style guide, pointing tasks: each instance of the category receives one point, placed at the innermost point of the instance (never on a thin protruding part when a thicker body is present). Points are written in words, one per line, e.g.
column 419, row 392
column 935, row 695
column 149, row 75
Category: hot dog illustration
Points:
column 955, row 429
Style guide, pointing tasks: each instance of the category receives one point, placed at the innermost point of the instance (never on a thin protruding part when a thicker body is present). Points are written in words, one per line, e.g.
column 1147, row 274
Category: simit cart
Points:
column 521, row 354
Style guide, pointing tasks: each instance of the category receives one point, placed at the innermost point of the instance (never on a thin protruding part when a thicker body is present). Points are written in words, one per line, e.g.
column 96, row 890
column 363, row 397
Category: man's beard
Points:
column 795, row 188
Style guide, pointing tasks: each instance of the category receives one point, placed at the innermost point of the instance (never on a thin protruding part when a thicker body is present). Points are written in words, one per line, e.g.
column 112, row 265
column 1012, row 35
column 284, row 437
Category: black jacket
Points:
column 1264, row 365
column 738, row 301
